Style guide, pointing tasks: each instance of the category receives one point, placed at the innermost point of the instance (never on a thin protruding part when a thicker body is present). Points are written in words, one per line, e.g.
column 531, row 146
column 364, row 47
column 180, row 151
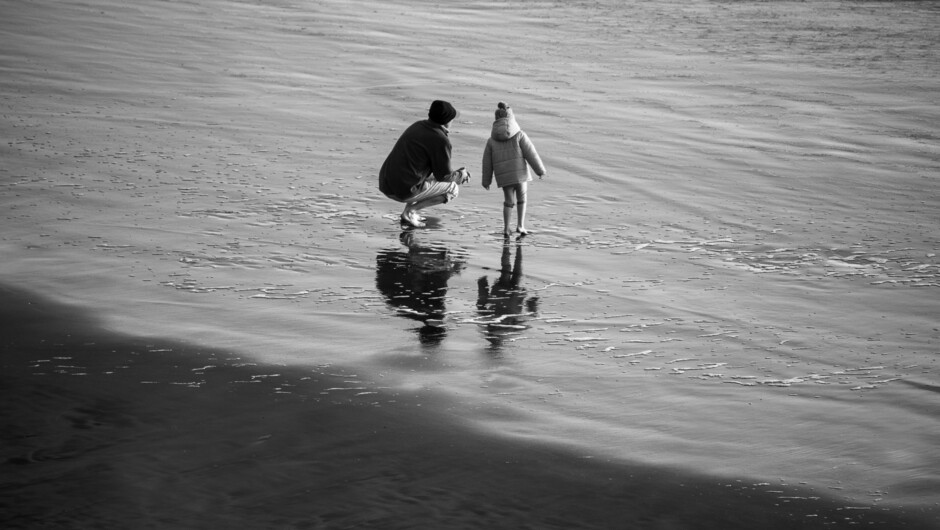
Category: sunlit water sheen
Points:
column 733, row 266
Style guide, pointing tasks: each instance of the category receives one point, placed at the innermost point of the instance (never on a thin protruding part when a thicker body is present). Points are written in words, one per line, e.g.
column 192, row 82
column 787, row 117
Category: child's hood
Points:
column 505, row 128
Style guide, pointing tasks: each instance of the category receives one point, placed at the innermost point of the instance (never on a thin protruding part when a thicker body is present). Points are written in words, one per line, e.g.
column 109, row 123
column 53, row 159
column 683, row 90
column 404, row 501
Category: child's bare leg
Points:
column 509, row 201
column 521, row 193
column 520, row 223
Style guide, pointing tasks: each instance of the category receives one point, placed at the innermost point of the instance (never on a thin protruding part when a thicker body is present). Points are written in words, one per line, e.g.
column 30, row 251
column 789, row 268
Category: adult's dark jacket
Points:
column 422, row 150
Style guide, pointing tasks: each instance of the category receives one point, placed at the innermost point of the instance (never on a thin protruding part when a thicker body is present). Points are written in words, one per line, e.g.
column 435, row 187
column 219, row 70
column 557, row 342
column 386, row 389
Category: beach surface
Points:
column 726, row 314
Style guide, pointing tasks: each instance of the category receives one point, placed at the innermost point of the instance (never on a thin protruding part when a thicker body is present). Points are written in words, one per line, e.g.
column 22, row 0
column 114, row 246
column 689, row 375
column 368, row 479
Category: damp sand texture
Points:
column 728, row 298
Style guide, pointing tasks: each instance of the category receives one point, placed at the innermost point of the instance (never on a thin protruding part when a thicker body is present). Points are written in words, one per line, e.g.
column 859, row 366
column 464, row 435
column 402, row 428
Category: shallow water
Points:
column 733, row 267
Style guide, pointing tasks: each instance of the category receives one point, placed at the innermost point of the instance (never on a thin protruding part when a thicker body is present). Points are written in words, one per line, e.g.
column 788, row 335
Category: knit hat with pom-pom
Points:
column 503, row 110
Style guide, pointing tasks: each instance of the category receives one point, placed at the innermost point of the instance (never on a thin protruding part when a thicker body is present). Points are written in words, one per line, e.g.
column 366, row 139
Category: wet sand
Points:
column 725, row 316
column 110, row 430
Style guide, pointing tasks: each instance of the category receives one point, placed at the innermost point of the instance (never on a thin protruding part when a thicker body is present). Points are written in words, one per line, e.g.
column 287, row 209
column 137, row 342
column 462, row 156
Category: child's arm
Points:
column 531, row 155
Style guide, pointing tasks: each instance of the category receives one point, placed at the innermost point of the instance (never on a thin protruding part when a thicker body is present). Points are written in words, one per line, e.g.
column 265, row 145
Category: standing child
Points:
column 508, row 155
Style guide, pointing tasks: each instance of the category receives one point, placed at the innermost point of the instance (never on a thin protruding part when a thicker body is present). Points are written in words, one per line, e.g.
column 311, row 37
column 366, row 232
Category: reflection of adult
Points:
column 505, row 304
column 415, row 283
column 417, row 171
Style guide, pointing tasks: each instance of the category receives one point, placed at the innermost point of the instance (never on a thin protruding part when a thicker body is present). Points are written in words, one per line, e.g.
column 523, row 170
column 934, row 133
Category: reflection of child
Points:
column 508, row 155
column 506, row 303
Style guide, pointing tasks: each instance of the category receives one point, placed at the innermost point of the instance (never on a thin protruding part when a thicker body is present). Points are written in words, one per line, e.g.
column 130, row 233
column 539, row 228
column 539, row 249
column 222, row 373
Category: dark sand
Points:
column 102, row 430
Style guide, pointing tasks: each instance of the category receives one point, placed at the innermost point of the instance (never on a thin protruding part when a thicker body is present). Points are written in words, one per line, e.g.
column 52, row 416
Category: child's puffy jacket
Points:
column 508, row 155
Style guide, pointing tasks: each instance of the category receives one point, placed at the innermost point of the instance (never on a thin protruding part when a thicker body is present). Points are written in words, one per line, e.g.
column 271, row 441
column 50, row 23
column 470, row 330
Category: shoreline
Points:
column 121, row 430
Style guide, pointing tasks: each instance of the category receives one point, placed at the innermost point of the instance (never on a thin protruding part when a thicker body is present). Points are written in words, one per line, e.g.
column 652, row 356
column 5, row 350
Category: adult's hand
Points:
column 461, row 176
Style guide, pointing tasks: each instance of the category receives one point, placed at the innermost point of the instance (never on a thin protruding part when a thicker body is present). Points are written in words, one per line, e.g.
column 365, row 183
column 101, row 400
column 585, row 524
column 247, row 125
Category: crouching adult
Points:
column 418, row 170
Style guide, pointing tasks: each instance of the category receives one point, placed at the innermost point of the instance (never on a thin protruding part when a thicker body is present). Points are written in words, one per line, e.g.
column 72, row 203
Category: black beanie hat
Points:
column 442, row 112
